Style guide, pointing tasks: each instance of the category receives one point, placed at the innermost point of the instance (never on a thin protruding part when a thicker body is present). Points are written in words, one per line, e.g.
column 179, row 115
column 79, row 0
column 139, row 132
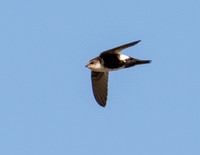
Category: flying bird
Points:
column 109, row 60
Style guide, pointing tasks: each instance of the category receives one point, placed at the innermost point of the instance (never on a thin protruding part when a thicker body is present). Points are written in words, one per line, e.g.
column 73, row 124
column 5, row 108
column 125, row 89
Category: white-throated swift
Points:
column 109, row 60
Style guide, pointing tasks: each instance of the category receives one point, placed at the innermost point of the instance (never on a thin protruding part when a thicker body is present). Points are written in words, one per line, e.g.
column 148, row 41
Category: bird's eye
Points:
column 92, row 63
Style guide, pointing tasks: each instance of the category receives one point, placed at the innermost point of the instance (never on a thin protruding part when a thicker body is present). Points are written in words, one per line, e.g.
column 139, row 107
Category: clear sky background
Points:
column 46, row 101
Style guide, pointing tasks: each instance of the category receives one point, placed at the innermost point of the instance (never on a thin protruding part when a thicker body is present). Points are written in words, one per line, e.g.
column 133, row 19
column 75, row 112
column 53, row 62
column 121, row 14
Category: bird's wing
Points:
column 116, row 50
column 100, row 87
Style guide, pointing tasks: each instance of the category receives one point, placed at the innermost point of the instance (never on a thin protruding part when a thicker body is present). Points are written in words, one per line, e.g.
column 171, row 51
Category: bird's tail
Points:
column 132, row 62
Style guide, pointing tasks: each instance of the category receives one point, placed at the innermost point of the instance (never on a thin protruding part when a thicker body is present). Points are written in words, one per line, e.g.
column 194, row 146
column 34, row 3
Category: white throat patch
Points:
column 96, row 67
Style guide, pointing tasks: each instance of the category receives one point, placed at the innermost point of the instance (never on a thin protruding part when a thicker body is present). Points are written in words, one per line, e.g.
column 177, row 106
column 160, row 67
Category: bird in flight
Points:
column 109, row 60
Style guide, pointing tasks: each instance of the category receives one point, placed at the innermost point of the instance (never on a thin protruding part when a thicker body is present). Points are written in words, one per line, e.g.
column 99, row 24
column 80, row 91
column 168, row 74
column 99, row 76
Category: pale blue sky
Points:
column 46, row 101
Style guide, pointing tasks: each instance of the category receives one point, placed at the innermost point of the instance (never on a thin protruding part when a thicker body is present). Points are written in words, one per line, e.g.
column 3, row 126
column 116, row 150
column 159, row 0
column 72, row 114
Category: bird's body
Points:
column 109, row 60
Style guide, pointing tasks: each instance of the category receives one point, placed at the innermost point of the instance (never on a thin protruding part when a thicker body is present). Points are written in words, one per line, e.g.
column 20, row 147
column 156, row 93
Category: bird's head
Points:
column 94, row 64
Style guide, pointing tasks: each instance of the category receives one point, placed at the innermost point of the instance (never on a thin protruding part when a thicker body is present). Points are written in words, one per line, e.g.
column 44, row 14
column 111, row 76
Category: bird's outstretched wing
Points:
column 100, row 87
column 116, row 50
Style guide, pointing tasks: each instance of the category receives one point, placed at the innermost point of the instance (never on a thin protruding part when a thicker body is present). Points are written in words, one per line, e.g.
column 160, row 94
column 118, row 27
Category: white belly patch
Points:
column 123, row 57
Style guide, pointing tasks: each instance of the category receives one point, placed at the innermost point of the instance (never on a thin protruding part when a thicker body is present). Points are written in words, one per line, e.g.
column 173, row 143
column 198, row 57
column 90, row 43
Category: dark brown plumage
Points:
column 108, row 61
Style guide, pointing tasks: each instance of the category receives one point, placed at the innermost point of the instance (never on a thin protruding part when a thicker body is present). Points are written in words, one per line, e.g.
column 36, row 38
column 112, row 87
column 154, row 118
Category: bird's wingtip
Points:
column 136, row 42
column 103, row 105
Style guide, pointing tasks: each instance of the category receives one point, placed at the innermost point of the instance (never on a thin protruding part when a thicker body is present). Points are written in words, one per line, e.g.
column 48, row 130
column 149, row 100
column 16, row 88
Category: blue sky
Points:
column 46, row 100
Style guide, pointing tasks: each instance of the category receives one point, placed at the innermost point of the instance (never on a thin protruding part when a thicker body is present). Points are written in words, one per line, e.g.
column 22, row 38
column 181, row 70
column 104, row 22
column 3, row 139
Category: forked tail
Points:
column 132, row 62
